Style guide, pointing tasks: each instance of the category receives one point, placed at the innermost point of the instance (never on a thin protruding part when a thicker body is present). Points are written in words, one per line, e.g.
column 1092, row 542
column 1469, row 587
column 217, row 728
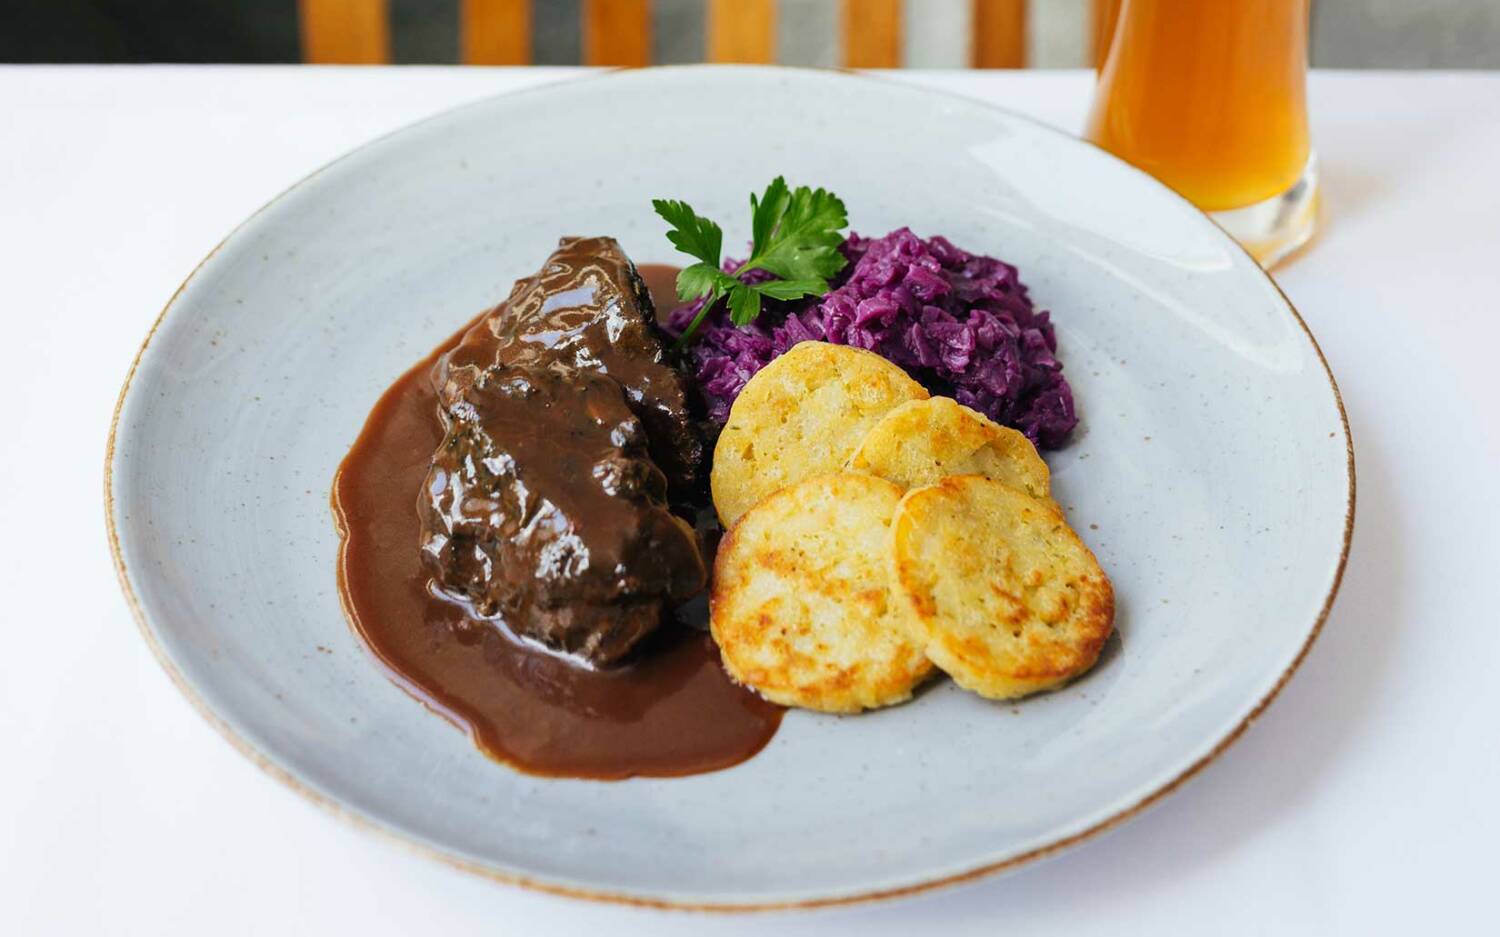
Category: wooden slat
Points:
column 872, row 33
column 495, row 32
column 344, row 32
column 999, row 34
column 742, row 31
column 1102, row 17
column 617, row 32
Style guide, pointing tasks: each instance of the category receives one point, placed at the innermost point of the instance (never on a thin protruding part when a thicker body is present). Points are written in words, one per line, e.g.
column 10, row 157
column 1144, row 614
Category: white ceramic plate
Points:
column 1212, row 474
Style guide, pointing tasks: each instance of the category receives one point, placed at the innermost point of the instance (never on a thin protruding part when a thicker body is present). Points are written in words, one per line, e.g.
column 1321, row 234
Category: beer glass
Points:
column 1210, row 97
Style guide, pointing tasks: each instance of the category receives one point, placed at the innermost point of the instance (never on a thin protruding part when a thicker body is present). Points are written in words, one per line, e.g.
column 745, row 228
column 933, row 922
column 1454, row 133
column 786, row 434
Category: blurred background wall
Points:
column 1345, row 34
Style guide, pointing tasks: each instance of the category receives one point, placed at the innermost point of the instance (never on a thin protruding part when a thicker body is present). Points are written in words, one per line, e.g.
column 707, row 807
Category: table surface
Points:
column 1364, row 801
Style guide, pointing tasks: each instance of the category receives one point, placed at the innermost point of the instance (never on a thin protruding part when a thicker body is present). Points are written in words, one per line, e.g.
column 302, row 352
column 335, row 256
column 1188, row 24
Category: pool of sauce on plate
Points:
column 673, row 711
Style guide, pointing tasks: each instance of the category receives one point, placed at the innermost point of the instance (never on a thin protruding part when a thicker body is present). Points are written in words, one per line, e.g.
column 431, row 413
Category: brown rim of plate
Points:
column 366, row 823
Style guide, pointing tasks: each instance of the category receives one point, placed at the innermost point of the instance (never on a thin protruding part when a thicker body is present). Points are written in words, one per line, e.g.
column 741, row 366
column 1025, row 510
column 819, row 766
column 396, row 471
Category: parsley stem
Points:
column 687, row 333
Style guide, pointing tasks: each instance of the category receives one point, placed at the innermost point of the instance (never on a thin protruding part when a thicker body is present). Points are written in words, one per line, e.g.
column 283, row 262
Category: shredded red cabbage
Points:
column 959, row 323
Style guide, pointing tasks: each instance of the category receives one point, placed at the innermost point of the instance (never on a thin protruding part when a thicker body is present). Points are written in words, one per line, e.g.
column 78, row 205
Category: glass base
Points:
column 1273, row 229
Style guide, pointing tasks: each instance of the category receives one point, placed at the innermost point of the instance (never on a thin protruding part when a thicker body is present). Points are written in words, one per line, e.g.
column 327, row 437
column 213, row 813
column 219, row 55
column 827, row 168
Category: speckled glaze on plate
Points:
column 1212, row 475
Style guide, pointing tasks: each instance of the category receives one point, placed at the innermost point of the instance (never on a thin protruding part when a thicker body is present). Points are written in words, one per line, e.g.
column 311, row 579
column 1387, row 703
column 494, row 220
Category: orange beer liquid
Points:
column 1209, row 96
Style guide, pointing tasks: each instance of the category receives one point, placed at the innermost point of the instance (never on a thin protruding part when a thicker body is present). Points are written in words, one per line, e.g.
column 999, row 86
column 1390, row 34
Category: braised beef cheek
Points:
column 542, row 509
column 587, row 309
column 546, row 506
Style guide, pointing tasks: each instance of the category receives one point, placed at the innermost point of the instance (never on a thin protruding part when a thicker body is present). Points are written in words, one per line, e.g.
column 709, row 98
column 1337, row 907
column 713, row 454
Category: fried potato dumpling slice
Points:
column 801, row 606
column 1011, row 599
column 802, row 415
column 922, row 441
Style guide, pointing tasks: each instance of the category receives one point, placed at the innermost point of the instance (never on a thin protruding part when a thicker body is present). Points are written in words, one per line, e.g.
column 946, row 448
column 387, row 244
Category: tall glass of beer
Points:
column 1210, row 97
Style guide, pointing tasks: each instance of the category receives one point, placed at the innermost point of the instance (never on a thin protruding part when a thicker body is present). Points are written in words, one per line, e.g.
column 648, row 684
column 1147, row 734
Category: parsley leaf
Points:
column 795, row 236
column 765, row 212
column 791, row 289
column 701, row 279
column 744, row 305
column 806, row 240
column 690, row 233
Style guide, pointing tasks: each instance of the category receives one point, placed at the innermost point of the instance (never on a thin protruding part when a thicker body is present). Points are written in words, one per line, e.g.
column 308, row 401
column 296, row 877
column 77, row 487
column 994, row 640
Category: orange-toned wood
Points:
column 1102, row 17
column 872, row 33
column 617, row 32
column 495, row 32
column 742, row 31
column 344, row 32
column 999, row 34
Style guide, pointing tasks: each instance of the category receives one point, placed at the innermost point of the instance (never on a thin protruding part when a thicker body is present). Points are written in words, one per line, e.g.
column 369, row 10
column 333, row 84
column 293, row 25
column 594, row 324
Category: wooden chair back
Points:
column 618, row 32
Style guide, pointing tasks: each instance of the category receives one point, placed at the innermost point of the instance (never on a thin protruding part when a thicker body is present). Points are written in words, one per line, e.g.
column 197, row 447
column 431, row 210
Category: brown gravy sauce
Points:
column 673, row 711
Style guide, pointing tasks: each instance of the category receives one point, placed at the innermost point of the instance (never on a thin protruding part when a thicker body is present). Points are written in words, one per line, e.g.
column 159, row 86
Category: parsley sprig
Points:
column 794, row 237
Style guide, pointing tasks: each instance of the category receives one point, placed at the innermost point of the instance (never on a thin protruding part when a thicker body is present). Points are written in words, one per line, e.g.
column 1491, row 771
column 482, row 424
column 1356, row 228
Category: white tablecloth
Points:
column 1366, row 800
